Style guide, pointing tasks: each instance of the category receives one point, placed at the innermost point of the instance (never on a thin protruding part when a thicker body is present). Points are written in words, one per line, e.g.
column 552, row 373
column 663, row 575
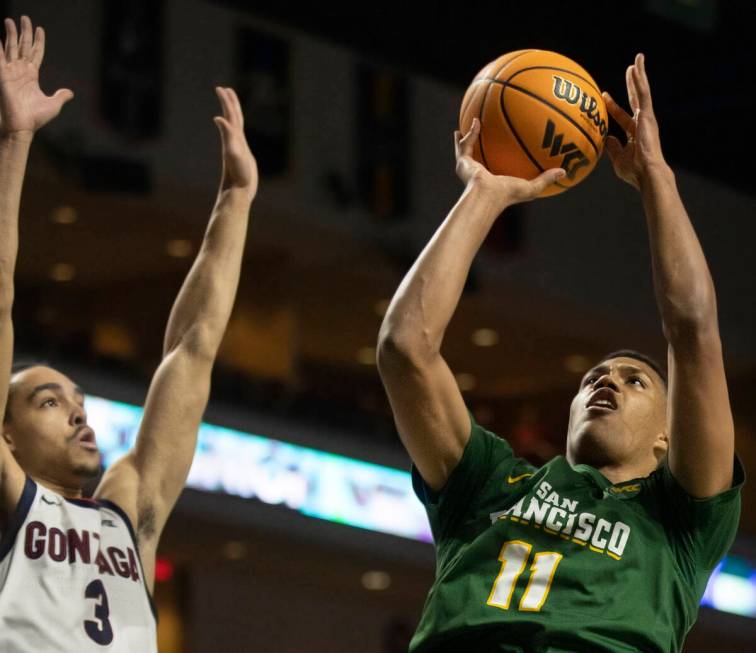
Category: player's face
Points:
column 48, row 429
column 618, row 415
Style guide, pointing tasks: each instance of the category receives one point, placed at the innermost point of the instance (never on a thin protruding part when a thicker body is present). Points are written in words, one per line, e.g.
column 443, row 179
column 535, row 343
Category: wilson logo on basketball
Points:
column 571, row 93
column 573, row 158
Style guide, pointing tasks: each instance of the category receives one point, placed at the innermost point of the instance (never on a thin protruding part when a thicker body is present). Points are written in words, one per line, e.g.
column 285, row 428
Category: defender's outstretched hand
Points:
column 239, row 165
column 509, row 190
column 23, row 105
column 643, row 148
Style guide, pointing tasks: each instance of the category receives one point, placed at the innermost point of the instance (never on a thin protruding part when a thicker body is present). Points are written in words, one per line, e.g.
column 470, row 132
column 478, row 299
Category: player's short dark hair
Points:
column 631, row 353
column 17, row 367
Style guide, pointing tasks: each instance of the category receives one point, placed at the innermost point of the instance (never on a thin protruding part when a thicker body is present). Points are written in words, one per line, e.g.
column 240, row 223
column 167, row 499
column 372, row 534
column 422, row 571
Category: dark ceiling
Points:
column 699, row 55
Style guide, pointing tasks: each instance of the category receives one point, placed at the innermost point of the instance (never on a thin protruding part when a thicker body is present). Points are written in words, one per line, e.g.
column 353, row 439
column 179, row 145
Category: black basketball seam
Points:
column 562, row 70
column 480, row 134
column 548, row 104
column 515, row 134
column 483, row 104
column 519, row 140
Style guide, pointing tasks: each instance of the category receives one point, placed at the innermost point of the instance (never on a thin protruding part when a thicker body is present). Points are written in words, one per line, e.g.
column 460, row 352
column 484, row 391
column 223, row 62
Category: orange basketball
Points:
column 537, row 110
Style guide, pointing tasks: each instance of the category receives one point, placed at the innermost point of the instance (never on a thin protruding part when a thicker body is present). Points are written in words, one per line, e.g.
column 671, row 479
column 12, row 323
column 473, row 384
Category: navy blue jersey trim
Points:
column 18, row 518
column 118, row 510
column 84, row 503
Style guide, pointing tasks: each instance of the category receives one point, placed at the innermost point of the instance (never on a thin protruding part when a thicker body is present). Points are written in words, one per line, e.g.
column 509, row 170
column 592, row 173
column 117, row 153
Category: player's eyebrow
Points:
column 625, row 367
column 56, row 387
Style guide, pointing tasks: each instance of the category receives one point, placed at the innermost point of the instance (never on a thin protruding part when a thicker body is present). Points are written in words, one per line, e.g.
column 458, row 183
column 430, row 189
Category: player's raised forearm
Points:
column 200, row 314
column 201, row 311
column 14, row 152
column 684, row 288
column 425, row 301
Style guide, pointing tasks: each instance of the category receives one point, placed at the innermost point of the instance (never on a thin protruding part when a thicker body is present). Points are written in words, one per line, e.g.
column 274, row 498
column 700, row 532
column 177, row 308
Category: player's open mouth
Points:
column 602, row 400
column 86, row 439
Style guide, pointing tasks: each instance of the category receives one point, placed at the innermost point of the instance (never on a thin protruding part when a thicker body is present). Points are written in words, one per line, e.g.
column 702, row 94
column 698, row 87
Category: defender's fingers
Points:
column 25, row 40
column 38, row 49
column 235, row 105
column 221, row 93
column 63, row 95
column 224, row 127
column 11, row 40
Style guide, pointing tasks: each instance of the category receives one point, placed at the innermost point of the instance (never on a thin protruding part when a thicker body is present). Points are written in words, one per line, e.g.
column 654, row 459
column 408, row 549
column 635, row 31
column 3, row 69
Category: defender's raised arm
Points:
column 24, row 108
column 148, row 481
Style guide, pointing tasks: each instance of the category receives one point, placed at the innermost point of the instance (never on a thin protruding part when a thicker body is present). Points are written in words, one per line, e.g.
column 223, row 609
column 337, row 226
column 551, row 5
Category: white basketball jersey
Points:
column 71, row 580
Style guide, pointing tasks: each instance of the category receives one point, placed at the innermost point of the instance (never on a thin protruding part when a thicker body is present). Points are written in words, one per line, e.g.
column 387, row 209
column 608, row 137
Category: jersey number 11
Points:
column 514, row 557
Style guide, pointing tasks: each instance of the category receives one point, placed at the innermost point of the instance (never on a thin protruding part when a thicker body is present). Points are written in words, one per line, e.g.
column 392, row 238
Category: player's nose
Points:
column 606, row 381
column 78, row 416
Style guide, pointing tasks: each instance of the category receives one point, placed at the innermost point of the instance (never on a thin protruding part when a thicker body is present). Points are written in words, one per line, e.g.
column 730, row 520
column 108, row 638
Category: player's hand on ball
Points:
column 239, row 165
column 643, row 147
column 24, row 108
column 507, row 190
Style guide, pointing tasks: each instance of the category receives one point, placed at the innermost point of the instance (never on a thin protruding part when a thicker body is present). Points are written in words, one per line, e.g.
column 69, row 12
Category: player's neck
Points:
column 619, row 473
column 70, row 492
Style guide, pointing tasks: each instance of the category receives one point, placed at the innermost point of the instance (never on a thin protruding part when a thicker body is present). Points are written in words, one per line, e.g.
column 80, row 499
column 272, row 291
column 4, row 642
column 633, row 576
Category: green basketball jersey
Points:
column 556, row 558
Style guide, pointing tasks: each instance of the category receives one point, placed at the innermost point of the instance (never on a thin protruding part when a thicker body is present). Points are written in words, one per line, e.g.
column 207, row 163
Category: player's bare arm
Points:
column 428, row 407
column 701, row 443
column 24, row 108
column 147, row 482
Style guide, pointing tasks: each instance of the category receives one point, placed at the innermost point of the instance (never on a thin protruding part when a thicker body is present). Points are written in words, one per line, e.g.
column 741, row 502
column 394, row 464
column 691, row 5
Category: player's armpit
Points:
column 429, row 410
column 12, row 479
column 147, row 482
column 702, row 434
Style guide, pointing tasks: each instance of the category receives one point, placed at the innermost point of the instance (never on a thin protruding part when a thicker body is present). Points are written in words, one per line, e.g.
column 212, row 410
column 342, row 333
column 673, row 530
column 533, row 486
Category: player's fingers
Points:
column 641, row 82
column 546, row 179
column 613, row 148
column 235, row 106
column 622, row 117
column 632, row 94
column 467, row 144
column 11, row 40
column 224, row 127
column 38, row 49
column 221, row 93
column 63, row 95
column 457, row 138
column 25, row 40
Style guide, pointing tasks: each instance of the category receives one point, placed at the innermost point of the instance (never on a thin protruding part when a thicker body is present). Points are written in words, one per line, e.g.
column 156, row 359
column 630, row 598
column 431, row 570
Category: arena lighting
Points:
column 336, row 488
column 732, row 587
column 163, row 570
column 312, row 482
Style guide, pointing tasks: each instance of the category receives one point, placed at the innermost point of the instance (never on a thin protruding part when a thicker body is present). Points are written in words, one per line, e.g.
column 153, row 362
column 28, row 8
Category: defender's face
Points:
column 618, row 415
column 48, row 429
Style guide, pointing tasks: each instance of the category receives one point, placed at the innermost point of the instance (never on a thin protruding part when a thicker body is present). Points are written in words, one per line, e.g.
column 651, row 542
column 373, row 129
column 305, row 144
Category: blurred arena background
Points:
column 285, row 540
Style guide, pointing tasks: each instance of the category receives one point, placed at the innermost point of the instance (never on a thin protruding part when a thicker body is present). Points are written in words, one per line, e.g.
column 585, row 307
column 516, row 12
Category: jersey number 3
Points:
column 99, row 631
column 514, row 557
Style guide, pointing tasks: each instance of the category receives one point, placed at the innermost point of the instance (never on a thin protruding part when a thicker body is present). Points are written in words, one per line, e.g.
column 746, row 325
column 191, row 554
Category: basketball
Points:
column 537, row 110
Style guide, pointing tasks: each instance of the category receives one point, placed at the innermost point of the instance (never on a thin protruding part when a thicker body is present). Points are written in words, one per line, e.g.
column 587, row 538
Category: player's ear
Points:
column 661, row 444
column 8, row 438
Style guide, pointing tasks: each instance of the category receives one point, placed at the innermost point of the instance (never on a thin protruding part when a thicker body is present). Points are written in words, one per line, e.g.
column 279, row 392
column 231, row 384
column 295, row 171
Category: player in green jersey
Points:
column 608, row 548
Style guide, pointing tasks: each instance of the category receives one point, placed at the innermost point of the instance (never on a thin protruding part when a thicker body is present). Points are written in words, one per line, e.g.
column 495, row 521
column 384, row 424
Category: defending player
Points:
column 610, row 547
column 76, row 575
